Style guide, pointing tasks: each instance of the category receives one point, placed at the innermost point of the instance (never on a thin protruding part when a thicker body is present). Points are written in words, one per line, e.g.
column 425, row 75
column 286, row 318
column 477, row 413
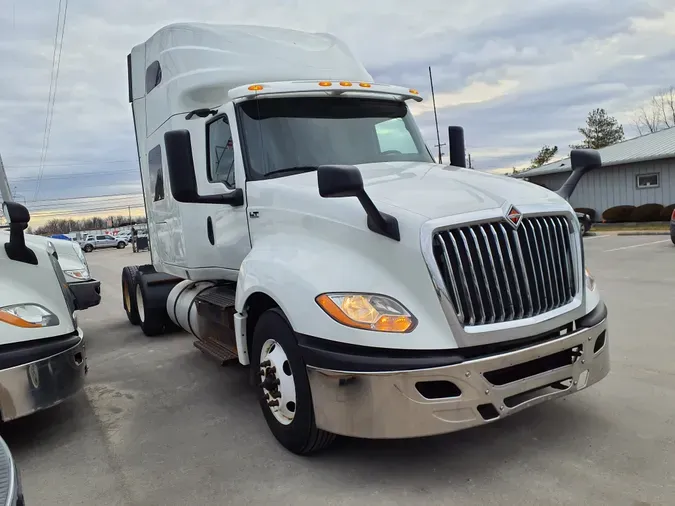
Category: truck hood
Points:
column 68, row 258
column 434, row 191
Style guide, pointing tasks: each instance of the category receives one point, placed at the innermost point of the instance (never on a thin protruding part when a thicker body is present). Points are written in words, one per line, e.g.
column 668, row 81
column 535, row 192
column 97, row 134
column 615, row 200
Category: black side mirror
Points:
column 585, row 159
column 345, row 181
column 182, row 177
column 339, row 181
column 16, row 249
column 582, row 161
column 16, row 214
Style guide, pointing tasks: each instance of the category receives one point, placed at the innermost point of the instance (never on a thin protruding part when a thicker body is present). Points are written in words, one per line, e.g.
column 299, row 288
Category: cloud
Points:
column 515, row 75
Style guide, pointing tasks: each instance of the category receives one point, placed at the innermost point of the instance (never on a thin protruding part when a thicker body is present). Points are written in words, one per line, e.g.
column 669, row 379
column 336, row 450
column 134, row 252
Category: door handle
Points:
column 209, row 230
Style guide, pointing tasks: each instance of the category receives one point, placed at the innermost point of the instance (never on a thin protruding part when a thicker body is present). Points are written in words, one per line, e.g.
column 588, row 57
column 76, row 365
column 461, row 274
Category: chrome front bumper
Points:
column 38, row 385
column 383, row 405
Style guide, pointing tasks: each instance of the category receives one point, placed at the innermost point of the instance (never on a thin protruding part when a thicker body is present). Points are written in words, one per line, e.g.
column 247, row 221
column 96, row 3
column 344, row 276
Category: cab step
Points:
column 215, row 307
column 220, row 351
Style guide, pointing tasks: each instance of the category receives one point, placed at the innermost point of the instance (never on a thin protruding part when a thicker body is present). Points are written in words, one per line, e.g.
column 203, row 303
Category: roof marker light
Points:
column 365, row 85
column 414, row 92
column 255, row 87
column 325, row 83
column 345, row 83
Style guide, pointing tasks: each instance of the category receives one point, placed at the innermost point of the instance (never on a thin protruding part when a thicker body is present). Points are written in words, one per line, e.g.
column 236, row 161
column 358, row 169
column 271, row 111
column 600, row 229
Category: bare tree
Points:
column 658, row 114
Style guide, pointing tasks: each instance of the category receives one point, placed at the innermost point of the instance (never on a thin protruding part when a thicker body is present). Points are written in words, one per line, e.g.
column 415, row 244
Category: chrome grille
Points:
column 494, row 273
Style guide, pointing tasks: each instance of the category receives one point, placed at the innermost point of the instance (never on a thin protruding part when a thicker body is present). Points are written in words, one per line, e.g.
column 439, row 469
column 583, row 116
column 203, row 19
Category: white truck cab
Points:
column 300, row 226
column 42, row 349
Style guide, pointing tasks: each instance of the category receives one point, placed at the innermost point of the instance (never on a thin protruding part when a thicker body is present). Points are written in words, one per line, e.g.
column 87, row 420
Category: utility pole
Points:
column 469, row 156
column 129, row 215
column 438, row 134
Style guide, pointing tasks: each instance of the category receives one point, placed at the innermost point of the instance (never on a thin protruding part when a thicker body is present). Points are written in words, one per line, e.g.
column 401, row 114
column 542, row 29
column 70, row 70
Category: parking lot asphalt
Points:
column 161, row 424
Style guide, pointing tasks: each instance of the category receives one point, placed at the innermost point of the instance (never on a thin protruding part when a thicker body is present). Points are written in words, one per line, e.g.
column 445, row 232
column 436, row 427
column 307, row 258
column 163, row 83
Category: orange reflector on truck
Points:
column 255, row 87
column 325, row 83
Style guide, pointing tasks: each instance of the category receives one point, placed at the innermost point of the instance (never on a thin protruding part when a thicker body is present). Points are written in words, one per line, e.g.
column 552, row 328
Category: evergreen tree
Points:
column 601, row 130
column 544, row 156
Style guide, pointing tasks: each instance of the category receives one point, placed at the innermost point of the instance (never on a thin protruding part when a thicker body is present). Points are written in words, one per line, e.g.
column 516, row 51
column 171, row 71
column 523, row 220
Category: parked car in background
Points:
column 672, row 227
column 99, row 241
column 125, row 236
column 585, row 223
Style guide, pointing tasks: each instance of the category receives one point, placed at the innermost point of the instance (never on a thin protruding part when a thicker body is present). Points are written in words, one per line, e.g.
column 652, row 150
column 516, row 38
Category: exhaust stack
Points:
column 456, row 145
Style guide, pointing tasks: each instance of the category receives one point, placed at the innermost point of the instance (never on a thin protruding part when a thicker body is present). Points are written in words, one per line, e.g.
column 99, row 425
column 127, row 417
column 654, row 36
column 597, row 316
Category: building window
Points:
column 221, row 152
column 647, row 181
column 156, row 176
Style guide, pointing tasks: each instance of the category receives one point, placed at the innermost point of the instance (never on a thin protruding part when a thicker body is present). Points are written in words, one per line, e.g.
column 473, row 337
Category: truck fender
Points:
column 293, row 277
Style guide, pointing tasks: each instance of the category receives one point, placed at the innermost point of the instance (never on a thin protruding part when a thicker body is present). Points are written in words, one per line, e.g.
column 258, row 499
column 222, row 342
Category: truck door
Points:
column 226, row 241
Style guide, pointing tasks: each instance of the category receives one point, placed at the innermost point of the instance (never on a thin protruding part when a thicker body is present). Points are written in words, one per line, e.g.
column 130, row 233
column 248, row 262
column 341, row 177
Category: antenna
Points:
column 438, row 134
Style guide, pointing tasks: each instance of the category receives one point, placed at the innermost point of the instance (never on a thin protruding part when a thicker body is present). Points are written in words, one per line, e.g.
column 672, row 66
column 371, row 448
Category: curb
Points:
column 642, row 233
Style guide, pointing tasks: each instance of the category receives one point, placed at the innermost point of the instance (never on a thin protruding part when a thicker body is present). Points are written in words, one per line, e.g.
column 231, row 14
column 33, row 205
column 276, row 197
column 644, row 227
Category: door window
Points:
column 221, row 152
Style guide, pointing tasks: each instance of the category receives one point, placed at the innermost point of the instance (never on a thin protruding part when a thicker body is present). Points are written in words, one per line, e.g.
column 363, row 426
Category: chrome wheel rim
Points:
column 277, row 382
column 139, row 304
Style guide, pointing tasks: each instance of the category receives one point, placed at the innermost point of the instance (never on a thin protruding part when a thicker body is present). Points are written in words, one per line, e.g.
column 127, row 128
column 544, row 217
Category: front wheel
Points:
column 88, row 248
column 121, row 245
column 285, row 395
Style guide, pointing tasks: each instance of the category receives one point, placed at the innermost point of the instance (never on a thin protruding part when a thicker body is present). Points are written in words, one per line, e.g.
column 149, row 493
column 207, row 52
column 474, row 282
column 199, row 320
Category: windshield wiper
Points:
column 305, row 168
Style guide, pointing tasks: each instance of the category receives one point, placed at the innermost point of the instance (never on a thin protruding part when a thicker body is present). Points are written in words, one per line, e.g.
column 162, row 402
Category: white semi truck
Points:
column 300, row 226
column 42, row 349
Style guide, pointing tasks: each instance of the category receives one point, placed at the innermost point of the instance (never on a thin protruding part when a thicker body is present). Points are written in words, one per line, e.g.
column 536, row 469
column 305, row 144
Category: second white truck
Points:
column 300, row 226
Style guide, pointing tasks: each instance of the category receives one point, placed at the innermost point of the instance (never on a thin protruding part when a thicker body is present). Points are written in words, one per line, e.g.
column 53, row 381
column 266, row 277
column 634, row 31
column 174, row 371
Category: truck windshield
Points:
column 282, row 134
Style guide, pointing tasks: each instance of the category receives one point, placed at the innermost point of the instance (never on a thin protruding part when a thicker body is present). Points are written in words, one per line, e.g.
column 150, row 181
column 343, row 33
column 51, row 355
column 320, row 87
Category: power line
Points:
column 51, row 100
column 81, row 206
column 75, row 175
column 71, row 164
column 80, row 212
column 110, row 195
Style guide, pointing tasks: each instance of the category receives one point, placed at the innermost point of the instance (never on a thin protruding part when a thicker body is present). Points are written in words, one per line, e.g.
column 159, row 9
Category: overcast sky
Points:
column 515, row 75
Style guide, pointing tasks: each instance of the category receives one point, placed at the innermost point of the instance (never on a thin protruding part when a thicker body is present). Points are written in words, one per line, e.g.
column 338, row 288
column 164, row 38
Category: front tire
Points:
column 285, row 395
column 121, row 245
column 88, row 248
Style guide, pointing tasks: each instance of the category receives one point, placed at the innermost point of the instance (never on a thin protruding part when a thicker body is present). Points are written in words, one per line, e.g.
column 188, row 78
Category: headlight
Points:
column 590, row 280
column 80, row 274
column 367, row 311
column 28, row 316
